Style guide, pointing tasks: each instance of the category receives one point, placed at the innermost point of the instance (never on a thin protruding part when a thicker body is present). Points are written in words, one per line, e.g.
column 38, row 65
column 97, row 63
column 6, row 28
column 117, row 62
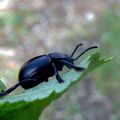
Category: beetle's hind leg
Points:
column 70, row 65
column 57, row 74
column 9, row 90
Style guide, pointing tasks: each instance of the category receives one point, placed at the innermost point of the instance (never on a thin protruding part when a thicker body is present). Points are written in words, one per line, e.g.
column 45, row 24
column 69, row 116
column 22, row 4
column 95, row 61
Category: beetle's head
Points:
column 74, row 59
column 69, row 59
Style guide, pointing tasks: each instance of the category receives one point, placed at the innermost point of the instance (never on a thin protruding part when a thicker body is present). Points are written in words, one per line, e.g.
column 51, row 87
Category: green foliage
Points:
column 30, row 104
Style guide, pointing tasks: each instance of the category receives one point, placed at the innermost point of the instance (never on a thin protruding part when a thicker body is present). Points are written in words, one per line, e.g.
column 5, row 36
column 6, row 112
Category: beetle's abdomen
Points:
column 37, row 68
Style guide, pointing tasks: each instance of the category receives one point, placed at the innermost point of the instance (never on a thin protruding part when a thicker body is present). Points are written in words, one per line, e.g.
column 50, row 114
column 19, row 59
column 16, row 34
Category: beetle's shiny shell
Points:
column 36, row 68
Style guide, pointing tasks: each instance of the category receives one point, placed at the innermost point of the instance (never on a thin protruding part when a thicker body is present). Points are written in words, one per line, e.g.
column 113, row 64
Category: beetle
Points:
column 40, row 68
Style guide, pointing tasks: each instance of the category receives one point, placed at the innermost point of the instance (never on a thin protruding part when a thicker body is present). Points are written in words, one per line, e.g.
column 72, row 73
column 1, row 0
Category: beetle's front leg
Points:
column 70, row 65
column 57, row 74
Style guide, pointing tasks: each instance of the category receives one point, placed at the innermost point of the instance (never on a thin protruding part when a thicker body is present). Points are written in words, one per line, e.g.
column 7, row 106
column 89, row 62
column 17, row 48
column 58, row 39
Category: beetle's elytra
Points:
column 40, row 68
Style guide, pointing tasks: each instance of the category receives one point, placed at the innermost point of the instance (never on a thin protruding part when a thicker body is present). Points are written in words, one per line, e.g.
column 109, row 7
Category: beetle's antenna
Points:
column 75, row 49
column 84, row 52
column 9, row 90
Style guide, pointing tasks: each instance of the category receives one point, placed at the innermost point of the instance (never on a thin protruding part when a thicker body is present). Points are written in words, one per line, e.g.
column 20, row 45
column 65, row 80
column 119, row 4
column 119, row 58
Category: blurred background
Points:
column 33, row 27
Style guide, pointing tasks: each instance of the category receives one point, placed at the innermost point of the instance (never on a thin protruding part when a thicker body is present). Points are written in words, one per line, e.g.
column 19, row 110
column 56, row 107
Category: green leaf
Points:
column 30, row 104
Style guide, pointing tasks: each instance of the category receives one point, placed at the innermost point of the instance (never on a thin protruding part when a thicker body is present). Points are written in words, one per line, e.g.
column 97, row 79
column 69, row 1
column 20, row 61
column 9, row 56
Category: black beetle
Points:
column 40, row 68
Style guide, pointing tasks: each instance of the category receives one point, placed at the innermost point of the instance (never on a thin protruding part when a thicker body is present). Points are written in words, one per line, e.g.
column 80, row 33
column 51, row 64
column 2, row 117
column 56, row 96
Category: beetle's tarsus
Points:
column 2, row 94
column 79, row 69
column 59, row 79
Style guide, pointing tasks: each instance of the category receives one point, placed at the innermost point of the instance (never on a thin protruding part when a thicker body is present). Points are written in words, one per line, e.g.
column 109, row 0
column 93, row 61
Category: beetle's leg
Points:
column 70, row 65
column 9, row 90
column 16, row 85
column 57, row 74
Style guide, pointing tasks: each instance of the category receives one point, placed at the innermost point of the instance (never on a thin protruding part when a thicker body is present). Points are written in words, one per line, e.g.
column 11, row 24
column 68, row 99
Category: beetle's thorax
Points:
column 59, row 56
